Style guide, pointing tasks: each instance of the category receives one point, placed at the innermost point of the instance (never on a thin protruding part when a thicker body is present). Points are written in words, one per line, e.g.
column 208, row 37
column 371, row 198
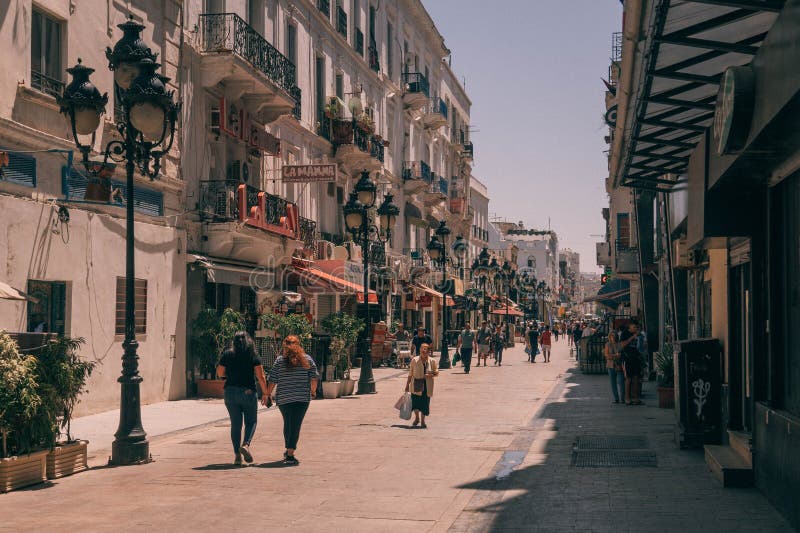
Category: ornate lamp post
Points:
column 494, row 271
column 508, row 275
column 364, row 231
column 147, row 129
column 437, row 249
column 480, row 273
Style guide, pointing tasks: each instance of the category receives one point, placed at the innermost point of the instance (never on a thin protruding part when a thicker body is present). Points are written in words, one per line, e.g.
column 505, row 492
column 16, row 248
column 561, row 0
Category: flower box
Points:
column 67, row 459
column 23, row 470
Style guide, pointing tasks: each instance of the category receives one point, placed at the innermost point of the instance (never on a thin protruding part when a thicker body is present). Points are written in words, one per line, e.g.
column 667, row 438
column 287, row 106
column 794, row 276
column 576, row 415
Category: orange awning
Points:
column 436, row 294
column 314, row 277
column 511, row 311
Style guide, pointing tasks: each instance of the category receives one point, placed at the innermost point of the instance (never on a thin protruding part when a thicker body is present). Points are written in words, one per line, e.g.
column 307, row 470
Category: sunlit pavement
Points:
column 497, row 455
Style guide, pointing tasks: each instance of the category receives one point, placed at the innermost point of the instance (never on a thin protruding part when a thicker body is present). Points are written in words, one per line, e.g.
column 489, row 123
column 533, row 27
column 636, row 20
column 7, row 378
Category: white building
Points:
column 265, row 86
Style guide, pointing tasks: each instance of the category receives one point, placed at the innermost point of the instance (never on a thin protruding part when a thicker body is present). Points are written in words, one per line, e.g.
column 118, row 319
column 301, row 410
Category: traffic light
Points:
column 603, row 279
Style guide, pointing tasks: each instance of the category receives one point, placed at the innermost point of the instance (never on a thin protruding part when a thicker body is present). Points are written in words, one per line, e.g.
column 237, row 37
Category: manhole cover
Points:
column 613, row 458
column 611, row 442
column 197, row 442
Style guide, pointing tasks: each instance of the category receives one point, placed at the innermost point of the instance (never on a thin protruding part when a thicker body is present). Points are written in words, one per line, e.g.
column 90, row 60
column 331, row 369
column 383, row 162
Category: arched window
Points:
column 531, row 261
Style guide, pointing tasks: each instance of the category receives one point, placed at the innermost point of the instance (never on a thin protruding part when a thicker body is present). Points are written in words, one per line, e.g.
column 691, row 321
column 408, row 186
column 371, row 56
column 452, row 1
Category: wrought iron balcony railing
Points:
column 46, row 84
column 308, row 232
column 359, row 42
column 228, row 32
column 335, row 238
column 419, row 256
column 361, row 139
column 325, row 7
column 468, row 151
column 416, row 82
column 341, row 21
column 417, row 170
column 345, row 131
column 443, row 185
column 377, row 253
column 376, row 149
column 442, row 108
column 374, row 61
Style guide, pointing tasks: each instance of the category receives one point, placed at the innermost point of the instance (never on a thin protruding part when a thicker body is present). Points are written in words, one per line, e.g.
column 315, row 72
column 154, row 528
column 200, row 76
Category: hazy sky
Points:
column 533, row 71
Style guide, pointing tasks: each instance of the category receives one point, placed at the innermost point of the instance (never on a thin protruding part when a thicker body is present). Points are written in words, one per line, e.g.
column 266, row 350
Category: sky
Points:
column 533, row 71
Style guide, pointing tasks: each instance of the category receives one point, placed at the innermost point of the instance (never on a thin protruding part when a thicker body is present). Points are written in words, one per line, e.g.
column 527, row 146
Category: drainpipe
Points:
column 632, row 33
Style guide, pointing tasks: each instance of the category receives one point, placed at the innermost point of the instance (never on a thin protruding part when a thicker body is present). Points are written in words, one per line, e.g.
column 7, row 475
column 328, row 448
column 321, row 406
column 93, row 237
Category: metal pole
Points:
column 366, row 383
column 444, row 358
column 130, row 444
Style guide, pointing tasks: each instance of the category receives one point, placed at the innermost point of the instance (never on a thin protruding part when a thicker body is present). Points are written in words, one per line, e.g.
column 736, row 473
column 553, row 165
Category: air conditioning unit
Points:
column 680, row 254
column 324, row 250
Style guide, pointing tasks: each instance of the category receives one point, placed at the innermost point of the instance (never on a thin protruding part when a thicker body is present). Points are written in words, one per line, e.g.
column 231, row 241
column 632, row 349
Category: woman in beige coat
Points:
column 421, row 372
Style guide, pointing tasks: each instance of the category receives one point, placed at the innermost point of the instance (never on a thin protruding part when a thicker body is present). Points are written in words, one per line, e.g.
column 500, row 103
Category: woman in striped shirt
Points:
column 295, row 375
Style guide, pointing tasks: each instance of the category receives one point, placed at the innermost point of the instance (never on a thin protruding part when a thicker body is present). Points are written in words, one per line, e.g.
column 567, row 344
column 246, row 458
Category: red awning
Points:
column 316, row 278
column 511, row 311
column 437, row 294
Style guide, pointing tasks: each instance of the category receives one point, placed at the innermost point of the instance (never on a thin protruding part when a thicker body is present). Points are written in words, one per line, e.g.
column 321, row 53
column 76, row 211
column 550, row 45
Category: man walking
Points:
column 420, row 339
column 484, row 340
column 499, row 344
column 533, row 342
column 545, row 341
column 466, row 345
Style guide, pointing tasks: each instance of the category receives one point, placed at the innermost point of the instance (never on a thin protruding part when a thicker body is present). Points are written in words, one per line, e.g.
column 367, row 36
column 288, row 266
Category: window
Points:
column 48, row 313
column 291, row 43
column 340, row 86
column 531, row 261
column 18, row 168
column 320, row 88
column 255, row 15
column 389, row 48
column 146, row 201
column 46, row 67
column 140, row 306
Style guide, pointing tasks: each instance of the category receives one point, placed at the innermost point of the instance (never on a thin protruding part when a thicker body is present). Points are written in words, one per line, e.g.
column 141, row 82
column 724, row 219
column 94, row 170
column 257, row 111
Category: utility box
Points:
column 698, row 392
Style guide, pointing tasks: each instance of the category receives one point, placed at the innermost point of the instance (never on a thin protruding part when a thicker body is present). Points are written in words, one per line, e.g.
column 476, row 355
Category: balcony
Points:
column 377, row 254
column 46, row 84
column 374, row 61
column 353, row 146
column 417, row 176
column 435, row 114
column 626, row 260
column 297, row 94
column 419, row 256
column 245, row 223
column 415, row 90
column 603, row 254
column 341, row 21
column 468, row 152
column 234, row 53
column 358, row 42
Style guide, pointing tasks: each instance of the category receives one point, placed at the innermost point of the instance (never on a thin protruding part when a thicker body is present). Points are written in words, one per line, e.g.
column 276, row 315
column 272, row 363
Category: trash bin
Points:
column 698, row 389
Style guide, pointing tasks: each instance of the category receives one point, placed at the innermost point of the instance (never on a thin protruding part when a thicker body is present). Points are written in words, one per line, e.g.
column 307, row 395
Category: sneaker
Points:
column 237, row 460
column 243, row 449
column 291, row 460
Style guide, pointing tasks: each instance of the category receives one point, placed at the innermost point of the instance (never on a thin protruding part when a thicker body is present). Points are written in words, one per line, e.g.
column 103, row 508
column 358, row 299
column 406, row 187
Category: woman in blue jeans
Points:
column 240, row 368
column 613, row 354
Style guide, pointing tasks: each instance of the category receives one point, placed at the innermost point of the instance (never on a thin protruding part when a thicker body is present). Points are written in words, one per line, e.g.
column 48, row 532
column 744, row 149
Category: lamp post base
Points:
column 127, row 452
column 366, row 387
column 444, row 359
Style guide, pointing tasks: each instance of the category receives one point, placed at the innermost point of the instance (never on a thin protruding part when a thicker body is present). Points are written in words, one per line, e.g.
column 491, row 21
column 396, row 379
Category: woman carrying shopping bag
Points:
column 421, row 372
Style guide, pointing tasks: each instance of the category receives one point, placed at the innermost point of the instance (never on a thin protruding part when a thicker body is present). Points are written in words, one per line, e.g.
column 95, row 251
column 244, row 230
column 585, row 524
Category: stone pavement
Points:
column 496, row 456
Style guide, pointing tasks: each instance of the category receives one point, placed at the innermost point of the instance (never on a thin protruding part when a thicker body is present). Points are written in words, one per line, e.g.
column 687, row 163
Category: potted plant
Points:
column 334, row 108
column 212, row 333
column 290, row 324
column 62, row 375
column 344, row 329
column 666, row 377
column 365, row 123
column 26, row 424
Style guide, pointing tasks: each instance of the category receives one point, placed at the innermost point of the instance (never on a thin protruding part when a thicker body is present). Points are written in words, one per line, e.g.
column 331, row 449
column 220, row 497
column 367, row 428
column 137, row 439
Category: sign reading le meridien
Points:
column 308, row 173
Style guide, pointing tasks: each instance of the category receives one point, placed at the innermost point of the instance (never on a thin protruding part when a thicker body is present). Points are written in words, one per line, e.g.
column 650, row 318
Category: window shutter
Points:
column 21, row 169
column 146, row 201
column 140, row 309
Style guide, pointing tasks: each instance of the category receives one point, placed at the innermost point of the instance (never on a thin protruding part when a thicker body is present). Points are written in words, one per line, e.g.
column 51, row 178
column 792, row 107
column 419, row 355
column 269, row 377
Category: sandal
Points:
column 415, row 423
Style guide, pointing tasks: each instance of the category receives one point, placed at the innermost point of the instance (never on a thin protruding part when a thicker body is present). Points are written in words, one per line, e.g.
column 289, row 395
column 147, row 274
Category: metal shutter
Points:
column 21, row 169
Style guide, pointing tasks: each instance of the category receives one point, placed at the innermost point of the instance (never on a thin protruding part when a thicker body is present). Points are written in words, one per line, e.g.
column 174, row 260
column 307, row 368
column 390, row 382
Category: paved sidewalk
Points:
column 495, row 457
column 164, row 419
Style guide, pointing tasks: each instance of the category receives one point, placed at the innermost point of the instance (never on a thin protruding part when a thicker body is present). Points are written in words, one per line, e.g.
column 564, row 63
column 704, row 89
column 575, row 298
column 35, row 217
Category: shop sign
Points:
column 308, row 173
column 734, row 110
column 426, row 300
column 230, row 118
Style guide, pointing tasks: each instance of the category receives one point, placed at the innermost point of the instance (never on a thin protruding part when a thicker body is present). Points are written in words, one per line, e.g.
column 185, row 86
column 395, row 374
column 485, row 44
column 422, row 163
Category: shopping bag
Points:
column 399, row 403
column 456, row 356
column 405, row 408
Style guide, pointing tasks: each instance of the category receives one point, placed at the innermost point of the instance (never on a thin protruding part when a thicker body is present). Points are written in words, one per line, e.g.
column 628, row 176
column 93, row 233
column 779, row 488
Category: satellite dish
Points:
column 355, row 106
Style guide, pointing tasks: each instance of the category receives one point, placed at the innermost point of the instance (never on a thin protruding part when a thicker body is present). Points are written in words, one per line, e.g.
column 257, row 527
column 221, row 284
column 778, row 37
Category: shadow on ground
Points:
column 536, row 487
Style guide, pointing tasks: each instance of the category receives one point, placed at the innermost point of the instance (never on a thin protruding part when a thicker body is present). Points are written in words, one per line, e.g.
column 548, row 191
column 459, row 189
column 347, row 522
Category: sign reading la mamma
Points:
column 308, row 173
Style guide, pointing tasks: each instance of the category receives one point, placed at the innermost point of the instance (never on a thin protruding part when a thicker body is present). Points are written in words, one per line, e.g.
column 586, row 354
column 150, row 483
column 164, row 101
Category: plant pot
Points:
column 23, row 470
column 98, row 190
column 666, row 397
column 330, row 389
column 343, row 387
column 349, row 387
column 211, row 388
column 67, row 459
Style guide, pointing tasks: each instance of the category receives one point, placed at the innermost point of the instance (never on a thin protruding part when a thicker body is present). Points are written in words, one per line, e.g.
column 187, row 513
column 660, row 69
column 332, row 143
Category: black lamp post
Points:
column 437, row 249
column 480, row 271
column 494, row 271
column 364, row 231
column 147, row 129
column 508, row 277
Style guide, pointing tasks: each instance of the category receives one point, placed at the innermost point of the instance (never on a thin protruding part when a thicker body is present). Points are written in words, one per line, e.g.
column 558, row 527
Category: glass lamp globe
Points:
column 148, row 119
column 86, row 120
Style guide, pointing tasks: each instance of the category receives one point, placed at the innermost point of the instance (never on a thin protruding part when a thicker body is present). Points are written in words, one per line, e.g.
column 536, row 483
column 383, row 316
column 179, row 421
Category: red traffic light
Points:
column 603, row 279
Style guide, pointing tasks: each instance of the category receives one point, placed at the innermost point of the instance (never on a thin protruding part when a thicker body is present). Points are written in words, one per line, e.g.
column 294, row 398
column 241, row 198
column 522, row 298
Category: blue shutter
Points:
column 146, row 201
column 21, row 169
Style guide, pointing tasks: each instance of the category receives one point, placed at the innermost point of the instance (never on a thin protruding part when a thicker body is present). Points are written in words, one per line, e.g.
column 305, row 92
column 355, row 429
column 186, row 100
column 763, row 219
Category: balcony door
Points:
column 214, row 6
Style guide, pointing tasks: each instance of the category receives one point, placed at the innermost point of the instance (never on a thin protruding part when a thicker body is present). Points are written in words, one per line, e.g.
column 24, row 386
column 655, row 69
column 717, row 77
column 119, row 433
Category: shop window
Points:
column 46, row 53
column 48, row 313
column 140, row 306
column 217, row 296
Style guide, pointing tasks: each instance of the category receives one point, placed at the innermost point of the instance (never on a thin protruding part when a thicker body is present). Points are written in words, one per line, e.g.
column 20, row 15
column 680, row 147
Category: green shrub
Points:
column 212, row 333
column 344, row 329
column 285, row 325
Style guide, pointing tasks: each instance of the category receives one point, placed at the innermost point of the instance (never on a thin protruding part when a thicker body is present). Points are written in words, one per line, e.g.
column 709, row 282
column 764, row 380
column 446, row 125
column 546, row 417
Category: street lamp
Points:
column 508, row 277
column 147, row 129
column 364, row 231
column 480, row 271
column 437, row 250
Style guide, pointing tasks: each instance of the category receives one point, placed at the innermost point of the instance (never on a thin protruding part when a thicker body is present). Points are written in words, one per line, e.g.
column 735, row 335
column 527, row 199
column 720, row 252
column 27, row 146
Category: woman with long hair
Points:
column 421, row 372
column 240, row 368
column 616, row 373
column 295, row 376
